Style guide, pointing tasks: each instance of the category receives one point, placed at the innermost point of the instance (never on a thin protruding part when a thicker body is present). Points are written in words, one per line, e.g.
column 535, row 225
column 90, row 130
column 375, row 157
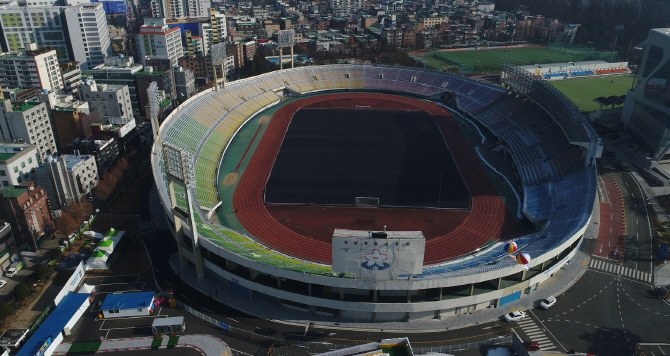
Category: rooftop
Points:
column 13, row 191
column 54, row 324
column 127, row 300
column 6, row 156
column 25, row 106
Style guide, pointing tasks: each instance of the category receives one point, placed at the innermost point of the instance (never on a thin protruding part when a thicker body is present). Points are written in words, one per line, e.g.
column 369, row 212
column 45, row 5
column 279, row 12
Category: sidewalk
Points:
column 215, row 287
column 206, row 344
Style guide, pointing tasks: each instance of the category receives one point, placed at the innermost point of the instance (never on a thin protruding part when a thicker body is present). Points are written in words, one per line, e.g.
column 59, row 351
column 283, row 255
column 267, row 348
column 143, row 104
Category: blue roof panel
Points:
column 55, row 323
column 127, row 300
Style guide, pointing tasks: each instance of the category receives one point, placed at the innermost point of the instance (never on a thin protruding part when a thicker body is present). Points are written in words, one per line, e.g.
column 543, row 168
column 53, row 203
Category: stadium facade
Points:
column 646, row 111
column 551, row 145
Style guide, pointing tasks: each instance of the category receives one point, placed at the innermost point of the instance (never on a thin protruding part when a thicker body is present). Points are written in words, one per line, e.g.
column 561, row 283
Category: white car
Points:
column 2, row 283
column 515, row 316
column 548, row 302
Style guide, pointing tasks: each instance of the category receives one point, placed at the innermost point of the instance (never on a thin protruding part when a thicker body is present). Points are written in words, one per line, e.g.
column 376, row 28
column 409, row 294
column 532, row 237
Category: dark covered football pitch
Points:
column 332, row 156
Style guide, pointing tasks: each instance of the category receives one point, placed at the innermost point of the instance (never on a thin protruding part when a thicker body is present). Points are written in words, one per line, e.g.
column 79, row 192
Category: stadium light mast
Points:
column 285, row 38
column 618, row 29
column 218, row 53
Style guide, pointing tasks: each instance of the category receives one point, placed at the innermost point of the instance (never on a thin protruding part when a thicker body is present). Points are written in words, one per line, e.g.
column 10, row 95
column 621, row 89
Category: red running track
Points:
column 487, row 220
column 611, row 228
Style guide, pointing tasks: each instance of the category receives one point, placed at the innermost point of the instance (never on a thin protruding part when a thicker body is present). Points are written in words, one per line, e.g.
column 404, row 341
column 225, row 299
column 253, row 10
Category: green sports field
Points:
column 492, row 60
column 582, row 91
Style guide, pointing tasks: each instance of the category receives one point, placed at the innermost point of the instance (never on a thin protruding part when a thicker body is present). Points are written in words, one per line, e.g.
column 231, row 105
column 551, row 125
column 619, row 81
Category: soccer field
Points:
column 582, row 91
column 492, row 60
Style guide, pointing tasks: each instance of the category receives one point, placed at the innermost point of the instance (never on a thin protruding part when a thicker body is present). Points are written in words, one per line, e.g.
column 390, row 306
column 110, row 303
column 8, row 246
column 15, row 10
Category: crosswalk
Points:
column 534, row 333
column 146, row 225
column 614, row 268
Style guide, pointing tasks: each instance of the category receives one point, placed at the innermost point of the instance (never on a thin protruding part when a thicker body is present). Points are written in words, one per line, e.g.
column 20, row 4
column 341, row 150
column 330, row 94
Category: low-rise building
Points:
column 7, row 246
column 184, row 83
column 128, row 304
column 67, row 178
column 111, row 100
column 25, row 208
column 17, row 163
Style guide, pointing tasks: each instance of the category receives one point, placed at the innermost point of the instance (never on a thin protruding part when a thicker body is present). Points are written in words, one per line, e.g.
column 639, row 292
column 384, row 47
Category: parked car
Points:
column 515, row 316
column 531, row 345
column 2, row 283
column 548, row 302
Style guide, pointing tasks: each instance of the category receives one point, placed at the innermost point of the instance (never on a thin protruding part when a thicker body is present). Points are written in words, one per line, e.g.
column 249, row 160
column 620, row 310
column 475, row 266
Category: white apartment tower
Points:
column 111, row 100
column 41, row 25
column 198, row 8
column 32, row 68
column 157, row 40
column 89, row 35
column 28, row 122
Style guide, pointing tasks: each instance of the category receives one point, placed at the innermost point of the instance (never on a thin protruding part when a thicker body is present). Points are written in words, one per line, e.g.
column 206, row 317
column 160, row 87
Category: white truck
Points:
column 14, row 268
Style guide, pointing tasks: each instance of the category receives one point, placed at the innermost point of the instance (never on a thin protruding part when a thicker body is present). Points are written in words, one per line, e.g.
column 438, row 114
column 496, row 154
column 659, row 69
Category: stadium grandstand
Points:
column 551, row 145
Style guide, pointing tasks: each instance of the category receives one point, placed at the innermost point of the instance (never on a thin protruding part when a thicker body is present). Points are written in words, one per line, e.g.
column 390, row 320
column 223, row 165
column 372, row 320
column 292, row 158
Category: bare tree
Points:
column 110, row 180
column 102, row 190
column 66, row 223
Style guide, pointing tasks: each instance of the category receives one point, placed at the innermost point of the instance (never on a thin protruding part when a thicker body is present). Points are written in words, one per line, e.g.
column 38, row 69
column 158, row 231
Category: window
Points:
column 30, row 160
column 16, row 169
column 23, row 164
column 3, row 173
column 5, row 183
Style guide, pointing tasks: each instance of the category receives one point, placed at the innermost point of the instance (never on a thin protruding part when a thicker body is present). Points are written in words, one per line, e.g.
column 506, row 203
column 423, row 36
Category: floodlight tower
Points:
column 218, row 53
column 180, row 173
column 285, row 38
column 154, row 101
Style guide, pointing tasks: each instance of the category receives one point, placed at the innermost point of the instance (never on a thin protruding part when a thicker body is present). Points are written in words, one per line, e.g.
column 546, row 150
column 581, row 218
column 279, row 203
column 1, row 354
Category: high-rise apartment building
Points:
column 28, row 122
column 157, row 40
column 217, row 22
column 42, row 25
column 36, row 68
column 646, row 111
column 76, row 32
column 88, row 34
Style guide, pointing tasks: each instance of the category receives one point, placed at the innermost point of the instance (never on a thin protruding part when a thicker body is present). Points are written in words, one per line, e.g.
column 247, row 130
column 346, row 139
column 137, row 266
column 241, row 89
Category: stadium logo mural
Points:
column 375, row 261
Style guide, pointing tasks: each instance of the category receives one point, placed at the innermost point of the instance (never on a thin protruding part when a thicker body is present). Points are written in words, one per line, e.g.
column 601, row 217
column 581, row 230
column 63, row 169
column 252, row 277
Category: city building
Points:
column 88, row 34
column 42, row 25
column 7, row 246
column 647, row 107
column 164, row 80
column 67, row 178
column 218, row 26
column 118, row 70
column 122, row 130
column 157, row 40
column 17, row 163
column 30, row 68
column 72, row 120
column 106, row 151
column 111, row 100
column 28, row 122
column 184, row 83
column 71, row 73
column 345, row 7
column 26, row 209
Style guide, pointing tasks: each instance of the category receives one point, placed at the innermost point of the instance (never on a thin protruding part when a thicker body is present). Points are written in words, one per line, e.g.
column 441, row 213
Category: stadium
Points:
column 258, row 178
